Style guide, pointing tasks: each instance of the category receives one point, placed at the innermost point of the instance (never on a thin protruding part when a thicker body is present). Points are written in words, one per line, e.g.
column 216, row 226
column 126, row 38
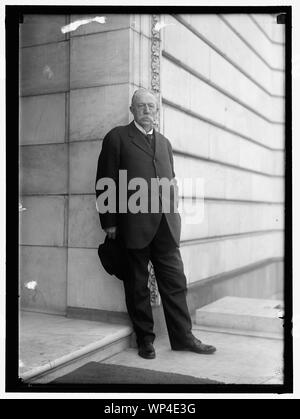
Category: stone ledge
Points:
column 75, row 357
column 52, row 345
column 245, row 314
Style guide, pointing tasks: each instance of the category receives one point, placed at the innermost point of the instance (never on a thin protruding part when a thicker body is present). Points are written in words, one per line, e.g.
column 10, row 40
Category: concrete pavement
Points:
column 239, row 359
column 51, row 346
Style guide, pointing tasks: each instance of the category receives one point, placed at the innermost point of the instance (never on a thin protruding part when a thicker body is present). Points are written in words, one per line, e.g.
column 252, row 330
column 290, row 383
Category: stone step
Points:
column 243, row 314
column 51, row 346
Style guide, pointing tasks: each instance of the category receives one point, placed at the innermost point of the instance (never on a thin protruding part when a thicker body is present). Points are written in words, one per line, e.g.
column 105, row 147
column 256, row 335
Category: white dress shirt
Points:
column 139, row 127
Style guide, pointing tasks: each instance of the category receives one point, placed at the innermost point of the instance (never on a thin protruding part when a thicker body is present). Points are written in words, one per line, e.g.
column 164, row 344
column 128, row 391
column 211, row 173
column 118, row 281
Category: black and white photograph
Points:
column 154, row 221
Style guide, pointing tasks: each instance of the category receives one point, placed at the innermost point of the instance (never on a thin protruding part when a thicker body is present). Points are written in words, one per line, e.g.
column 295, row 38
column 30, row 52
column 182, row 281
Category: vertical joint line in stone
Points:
column 67, row 141
column 67, row 94
column 131, row 79
column 140, row 59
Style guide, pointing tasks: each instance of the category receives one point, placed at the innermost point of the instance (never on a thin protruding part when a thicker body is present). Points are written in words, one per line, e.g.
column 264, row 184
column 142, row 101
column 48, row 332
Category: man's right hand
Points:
column 111, row 232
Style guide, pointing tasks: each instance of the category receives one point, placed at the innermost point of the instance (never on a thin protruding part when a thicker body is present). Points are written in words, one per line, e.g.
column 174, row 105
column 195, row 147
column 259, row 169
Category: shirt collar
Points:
column 139, row 127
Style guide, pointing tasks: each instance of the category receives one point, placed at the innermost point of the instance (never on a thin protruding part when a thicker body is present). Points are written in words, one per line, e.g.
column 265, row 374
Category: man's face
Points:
column 144, row 109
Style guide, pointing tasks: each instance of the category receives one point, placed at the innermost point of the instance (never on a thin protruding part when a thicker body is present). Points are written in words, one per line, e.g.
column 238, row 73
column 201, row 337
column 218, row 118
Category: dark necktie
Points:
column 150, row 140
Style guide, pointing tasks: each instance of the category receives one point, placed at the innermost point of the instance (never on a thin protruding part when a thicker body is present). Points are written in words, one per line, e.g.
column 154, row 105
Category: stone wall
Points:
column 75, row 87
column 221, row 88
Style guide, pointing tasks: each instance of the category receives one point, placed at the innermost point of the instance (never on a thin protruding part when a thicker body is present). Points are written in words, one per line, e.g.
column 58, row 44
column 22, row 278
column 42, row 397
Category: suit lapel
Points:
column 138, row 139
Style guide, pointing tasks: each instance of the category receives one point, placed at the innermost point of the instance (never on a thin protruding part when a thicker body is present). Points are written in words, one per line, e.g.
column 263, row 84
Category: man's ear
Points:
column 130, row 107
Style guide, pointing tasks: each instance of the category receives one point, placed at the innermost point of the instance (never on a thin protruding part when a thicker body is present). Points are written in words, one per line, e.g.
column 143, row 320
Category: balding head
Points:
column 144, row 108
column 142, row 92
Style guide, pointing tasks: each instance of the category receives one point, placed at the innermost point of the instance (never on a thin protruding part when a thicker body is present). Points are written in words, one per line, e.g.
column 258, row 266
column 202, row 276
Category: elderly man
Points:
column 140, row 152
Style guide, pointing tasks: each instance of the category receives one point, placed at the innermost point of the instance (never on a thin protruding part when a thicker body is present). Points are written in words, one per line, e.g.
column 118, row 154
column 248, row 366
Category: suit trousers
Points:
column 169, row 272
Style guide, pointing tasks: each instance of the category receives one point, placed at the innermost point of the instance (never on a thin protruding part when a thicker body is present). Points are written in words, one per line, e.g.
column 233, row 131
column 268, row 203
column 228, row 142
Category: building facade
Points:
column 220, row 84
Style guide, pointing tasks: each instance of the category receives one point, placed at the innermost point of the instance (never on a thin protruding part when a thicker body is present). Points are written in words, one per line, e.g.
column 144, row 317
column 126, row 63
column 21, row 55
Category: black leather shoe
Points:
column 195, row 345
column 146, row 350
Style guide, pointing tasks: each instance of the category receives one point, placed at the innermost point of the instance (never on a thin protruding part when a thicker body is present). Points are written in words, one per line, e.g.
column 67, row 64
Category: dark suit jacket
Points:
column 126, row 148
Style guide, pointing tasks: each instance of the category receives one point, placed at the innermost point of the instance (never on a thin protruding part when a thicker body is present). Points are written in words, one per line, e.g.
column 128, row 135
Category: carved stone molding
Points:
column 155, row 54
column 152, row 285
column 155, row 59
column 155, row 87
